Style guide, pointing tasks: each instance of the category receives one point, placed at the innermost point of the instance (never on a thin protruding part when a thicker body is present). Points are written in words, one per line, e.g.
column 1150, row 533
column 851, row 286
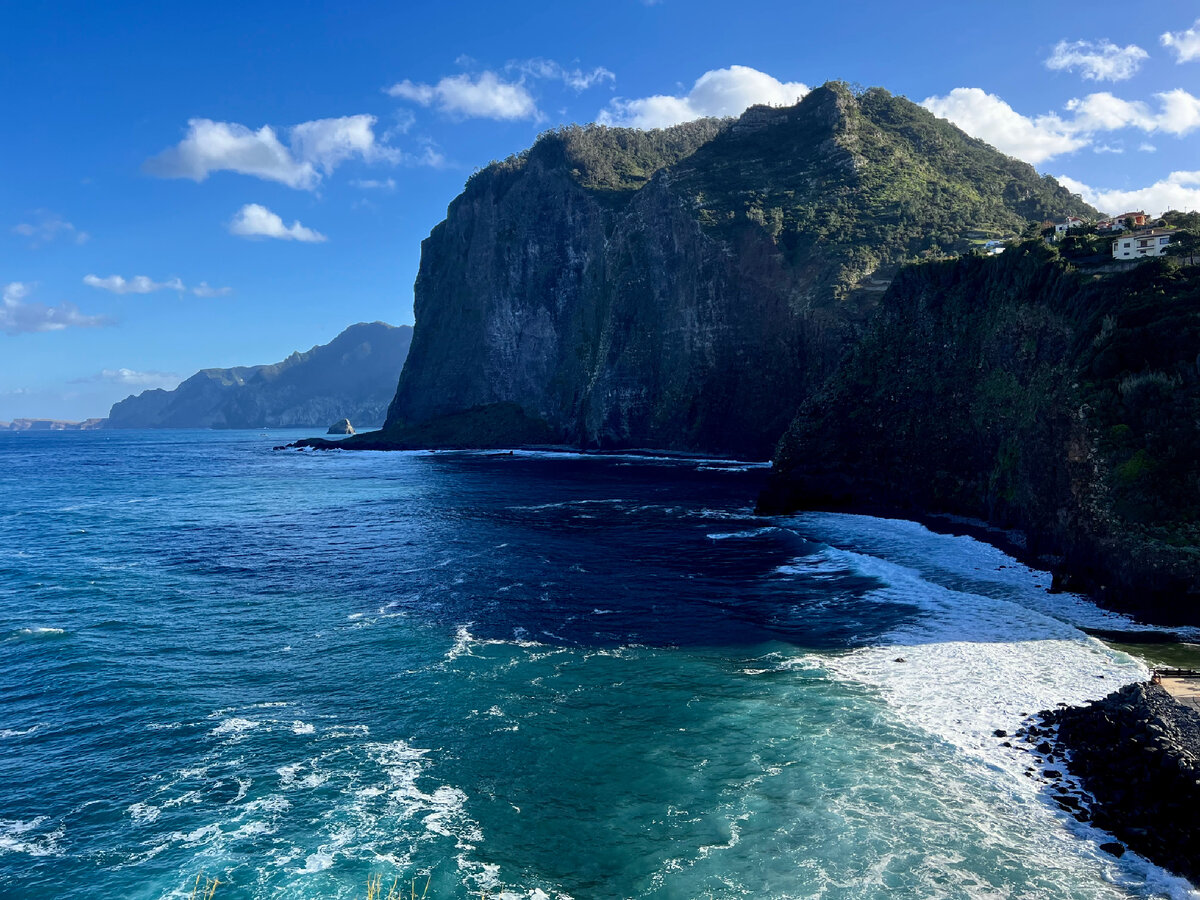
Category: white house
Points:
column 1142, row 243
column 1066, row 225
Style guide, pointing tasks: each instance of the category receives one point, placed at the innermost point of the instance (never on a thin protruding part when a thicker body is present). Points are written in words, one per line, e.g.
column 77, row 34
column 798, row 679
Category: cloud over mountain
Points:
column 133, row 378
column 1036, row 139
column 1179, row 190
column 718, row 92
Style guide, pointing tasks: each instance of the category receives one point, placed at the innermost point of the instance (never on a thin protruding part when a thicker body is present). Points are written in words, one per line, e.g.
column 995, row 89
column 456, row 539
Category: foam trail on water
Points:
column 988, row 647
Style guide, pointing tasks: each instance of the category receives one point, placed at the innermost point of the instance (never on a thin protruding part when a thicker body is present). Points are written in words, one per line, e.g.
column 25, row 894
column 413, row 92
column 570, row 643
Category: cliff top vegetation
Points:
column 859, row 178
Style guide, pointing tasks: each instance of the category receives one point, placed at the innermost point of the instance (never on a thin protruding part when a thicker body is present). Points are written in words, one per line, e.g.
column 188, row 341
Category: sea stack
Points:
column 342, row 426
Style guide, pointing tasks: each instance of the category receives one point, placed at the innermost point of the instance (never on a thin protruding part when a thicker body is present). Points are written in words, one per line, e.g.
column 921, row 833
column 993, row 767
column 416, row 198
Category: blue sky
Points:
column 217, row 184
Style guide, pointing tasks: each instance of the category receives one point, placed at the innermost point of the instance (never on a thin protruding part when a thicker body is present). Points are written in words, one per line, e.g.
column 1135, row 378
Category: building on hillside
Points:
column 1142, row 244
column 1110, row 225
column 1133, row 219
column 1066, row 225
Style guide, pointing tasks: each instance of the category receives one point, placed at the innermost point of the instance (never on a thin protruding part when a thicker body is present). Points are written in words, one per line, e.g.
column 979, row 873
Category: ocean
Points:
column 515, row 676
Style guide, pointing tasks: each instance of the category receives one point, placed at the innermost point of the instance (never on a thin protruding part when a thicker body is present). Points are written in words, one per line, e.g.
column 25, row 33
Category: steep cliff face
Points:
column 350, row 377
column 687, row 288
column 1022, row 391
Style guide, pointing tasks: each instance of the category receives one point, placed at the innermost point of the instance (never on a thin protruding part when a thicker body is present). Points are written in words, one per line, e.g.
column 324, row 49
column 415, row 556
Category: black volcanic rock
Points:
column 688, row 288
column 353, row 376
column 1136, row 752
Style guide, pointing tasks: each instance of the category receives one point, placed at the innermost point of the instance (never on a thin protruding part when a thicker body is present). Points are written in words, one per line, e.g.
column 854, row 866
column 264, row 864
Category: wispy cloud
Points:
column 1179, row 190
column 719, row 92
column 374, row 184
column 46, row 227
column 1098, row 60
column 577, row 79
column 316, row 148
column 503, row 95
column 17, row 316
column 133, row 378
column 138, row 284
column 255, row 221
column 1185, row 44
column 1036, row 139
column 203, row 290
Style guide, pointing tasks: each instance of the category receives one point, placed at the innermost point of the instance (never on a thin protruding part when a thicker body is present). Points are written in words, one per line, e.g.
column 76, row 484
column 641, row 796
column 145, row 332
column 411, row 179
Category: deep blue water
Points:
column 525, row 675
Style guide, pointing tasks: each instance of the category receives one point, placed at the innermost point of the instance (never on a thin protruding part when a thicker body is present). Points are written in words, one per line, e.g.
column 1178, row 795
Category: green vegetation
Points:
column 864, row 181
column 1032, row 393
column 609, row 161
column 846, row 182
column 1185, row 243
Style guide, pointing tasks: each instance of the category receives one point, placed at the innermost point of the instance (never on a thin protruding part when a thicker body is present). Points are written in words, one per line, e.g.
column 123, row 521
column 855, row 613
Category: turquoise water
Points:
column 525, row 676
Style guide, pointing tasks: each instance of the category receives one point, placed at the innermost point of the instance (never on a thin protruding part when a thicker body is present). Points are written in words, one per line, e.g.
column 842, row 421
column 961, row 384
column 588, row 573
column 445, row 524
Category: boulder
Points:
column 342, row 426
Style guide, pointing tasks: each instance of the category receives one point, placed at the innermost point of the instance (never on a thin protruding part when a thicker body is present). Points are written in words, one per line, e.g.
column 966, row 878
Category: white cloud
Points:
column 1039, row 138
column 1180, row 114
column 138, row 284
column 1147, row 147
column 19, row 317
column 316, row 148
column 253, row 220
column 203, row 290
column 133, row 378
column 226, row 146
column 1186, row 44
column 47, row 227
column 1179, row 190
column 718, row 92
column 460, row 96
column 990, row 119
column 328, row 142
column 1104, row 112
column 1099, row 61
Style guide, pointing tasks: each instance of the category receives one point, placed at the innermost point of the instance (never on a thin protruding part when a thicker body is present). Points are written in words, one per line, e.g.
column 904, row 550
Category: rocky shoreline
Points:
column 1130, row 764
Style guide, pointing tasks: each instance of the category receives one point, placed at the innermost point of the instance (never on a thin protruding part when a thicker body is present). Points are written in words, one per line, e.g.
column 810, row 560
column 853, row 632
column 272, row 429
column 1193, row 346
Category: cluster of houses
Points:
column 1142, row 239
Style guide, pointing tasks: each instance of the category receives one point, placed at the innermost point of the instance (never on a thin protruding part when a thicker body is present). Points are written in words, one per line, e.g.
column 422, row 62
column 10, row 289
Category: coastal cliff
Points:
column 688, row 288
column 350, row 377
column 1030, row 394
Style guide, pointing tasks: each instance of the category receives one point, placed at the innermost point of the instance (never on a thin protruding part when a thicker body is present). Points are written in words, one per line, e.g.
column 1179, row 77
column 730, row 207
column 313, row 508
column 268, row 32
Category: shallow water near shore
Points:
column 530, row 675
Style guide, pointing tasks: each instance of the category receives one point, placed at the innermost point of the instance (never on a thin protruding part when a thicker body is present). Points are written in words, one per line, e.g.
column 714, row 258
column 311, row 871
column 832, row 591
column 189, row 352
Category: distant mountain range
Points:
column 352, row 377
